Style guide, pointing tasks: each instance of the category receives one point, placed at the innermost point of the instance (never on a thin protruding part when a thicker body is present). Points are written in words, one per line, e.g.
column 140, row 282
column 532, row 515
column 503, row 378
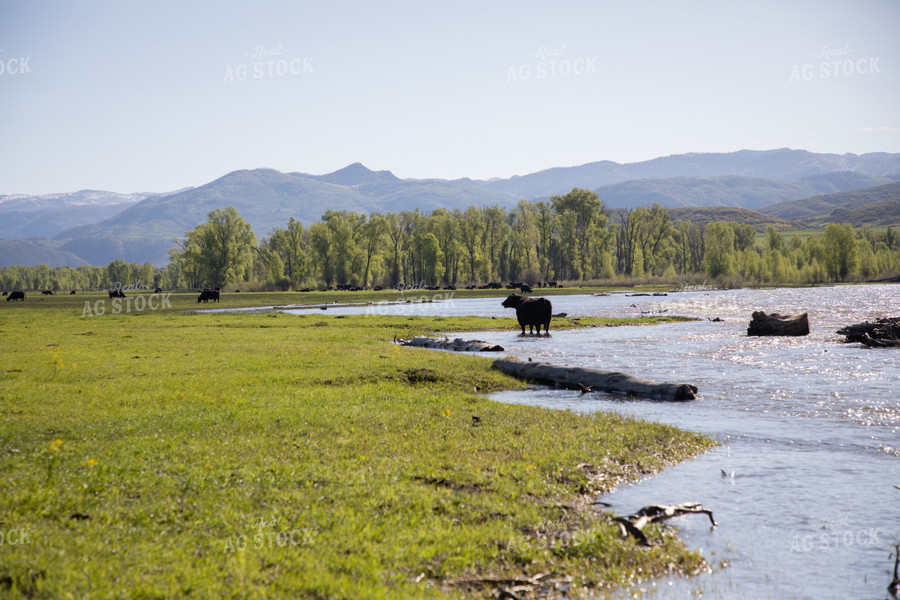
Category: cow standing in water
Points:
column 531, row 312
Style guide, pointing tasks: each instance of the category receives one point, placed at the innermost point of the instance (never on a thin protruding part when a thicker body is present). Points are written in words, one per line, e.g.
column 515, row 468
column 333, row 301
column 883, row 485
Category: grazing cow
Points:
column 157, row 291
column 72, row 293
column 116, row 293
column 526, row 289
column 47, row 292
column 495, row 285
column 531, row 311
column 16, row 296
column 207, row 295
column 551, row 284
column 4, row 293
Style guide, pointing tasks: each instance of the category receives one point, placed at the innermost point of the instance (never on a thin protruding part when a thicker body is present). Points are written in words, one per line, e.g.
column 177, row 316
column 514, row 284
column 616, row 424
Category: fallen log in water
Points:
column 456, row 345
column 883, row 333
column 655, row 513
column 775, row 324
column 596, row 381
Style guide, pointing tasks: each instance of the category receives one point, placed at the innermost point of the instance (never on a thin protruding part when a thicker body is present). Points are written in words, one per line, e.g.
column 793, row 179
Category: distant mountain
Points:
column 782, row 164
column 357, row 174
column 265, row 198
column 31, row 253
column 99, row 227
column 728, row 190
column 819, row 207
column 23, row 217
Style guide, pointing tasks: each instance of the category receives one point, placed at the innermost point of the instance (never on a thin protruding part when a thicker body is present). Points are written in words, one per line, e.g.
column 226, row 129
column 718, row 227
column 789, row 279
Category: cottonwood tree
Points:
column 718, row 240
column 581, row 218
column 220, row 249
column 839, row 245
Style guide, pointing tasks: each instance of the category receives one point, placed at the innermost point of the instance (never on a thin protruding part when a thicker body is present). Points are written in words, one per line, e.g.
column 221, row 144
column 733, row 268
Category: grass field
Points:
column 169, row 454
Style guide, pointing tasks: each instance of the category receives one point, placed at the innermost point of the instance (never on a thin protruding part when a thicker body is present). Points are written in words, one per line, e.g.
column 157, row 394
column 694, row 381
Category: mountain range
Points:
column 763, row 186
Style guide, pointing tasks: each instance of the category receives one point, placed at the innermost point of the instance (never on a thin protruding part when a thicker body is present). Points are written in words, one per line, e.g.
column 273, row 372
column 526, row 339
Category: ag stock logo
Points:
column 552, row 63
column 13, row 65
column 833, row 62
column 267, row 63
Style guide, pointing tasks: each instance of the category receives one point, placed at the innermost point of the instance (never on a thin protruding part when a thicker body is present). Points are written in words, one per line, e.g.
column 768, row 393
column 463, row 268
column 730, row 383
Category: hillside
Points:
column 31, row 253
column 265, row 198
column 878, row 214
column 782, row 164
column 708, row 214
column 24, row 217
column 728, row 190
column 99, row 227
column 820, row 207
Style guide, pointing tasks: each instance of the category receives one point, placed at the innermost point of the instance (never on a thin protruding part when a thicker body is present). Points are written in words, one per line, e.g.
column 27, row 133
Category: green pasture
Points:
column 169, row 454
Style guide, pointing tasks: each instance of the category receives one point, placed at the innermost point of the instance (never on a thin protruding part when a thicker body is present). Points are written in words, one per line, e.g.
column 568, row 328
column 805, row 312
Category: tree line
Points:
column 571, row 238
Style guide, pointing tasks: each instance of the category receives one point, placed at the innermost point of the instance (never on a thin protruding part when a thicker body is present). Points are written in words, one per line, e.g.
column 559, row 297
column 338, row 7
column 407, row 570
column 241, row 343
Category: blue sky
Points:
column 155, row 96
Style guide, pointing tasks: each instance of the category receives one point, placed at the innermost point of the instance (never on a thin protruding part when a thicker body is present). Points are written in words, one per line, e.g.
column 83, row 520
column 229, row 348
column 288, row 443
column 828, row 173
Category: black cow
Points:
column 4, row 293
column 116, row 293
column 157, row 291
column 531, row 311
column 207, row 295
column 72, row 293
column 526, row 289
column 47, row 292
column 16, row 296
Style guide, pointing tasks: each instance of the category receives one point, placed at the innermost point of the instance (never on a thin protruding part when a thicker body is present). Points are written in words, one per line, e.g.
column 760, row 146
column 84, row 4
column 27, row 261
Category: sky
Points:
column 155, row 96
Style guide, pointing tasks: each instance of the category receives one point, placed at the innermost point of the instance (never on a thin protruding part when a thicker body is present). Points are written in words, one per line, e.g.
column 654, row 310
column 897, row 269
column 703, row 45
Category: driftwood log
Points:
column 775, row 324
column 456, row 345
column 655, row 513
column 592, row 380
column 883, row 333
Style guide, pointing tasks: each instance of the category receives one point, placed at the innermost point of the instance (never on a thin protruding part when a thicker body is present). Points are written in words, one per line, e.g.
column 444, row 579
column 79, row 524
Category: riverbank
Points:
column 267, row 454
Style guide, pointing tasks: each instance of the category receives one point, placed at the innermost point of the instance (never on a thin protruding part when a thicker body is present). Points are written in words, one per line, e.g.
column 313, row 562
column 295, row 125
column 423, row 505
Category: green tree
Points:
column 839, row 245
column 583, row 217
column 718, row 239
column 744, row 236
column 222, row 247
column 292, row 247
column 432, row 259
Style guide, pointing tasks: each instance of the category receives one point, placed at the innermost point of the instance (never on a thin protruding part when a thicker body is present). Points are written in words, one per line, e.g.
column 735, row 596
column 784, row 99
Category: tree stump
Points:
column 775, row 324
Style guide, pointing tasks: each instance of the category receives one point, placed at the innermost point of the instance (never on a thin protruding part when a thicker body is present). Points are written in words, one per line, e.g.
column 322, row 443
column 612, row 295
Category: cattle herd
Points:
column 530, row 312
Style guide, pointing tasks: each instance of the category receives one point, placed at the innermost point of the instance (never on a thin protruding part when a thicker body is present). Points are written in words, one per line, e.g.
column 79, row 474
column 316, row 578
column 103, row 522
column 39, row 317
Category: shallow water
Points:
column 809, row 427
